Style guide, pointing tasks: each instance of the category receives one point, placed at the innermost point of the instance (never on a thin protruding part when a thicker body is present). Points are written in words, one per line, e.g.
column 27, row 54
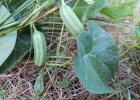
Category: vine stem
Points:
column 113, row 22
column 60, row 65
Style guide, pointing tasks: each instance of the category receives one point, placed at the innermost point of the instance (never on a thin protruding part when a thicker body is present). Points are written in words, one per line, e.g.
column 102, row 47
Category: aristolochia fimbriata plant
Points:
column 97, row 56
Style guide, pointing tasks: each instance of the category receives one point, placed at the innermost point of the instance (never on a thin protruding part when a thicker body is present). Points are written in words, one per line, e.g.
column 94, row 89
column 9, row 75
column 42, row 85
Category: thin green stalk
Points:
column 75, row 4
column 64, row 57
column 50, row 28
column 51, row 43
column 38, row 3
column 16, row 23
column 60, row 65
column 5, row 4
column 114, row 22
column 37, row 11
column 32, row 21
column 44, row 23
column 9, row 30
column 60, row 41
column 20, row 26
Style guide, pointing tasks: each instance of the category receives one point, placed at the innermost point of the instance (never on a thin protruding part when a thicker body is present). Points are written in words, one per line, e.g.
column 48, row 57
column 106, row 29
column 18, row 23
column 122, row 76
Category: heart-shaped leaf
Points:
column 64, row 83
column 97, row 59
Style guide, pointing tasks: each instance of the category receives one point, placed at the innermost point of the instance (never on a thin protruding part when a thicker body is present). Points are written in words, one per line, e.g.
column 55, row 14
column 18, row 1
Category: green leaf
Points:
column 118, row 12
column 93, row 9
column 64, row 83
column 85, row 11
column 22, row 47
column 97, row 59
column 20, row 8
column 7, row 42
column 17, row 16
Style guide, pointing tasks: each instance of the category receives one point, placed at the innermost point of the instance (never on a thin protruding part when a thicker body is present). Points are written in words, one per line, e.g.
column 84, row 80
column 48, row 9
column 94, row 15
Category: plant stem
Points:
column 114, row 22
column 60, row 65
